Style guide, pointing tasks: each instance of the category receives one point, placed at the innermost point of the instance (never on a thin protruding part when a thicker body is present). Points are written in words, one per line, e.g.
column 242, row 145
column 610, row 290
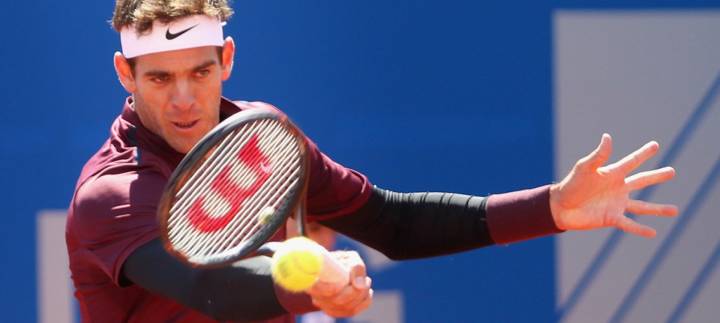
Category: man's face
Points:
column 177, row 93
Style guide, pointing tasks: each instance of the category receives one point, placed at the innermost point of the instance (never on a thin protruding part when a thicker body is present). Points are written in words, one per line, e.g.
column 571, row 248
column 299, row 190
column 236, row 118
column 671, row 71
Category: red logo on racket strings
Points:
column 230, row 191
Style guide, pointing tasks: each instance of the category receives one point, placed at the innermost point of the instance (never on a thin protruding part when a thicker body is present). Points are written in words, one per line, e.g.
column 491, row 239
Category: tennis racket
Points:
column 234, row 190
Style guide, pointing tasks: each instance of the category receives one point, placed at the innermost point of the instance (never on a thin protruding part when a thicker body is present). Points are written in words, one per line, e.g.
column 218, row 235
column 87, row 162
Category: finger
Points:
column 352, row 304
column 362, row 282
column 600, row 155
column 345, row 294
column 647, row 208
column 345, row 302
column 356, row 272
column 348, row 295
column 632, row 227
column 653, row 177
column 323, row 289
column 635, row 159
column 362, row 305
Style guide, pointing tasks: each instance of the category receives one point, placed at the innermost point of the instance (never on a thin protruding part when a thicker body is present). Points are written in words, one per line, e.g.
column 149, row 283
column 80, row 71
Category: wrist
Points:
column 555, row 208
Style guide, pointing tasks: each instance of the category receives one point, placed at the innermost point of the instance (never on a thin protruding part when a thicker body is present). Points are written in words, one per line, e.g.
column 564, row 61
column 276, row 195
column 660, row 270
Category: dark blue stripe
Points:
column 651, row 268
column 614, row 239
column 696, row 286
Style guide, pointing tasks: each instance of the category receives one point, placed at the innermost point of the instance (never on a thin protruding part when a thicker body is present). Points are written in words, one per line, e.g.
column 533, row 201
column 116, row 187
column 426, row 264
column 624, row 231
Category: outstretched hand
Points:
column 596, row 196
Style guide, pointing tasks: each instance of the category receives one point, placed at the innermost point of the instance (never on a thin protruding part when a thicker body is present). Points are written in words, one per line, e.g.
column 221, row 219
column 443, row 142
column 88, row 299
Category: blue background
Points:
column 418, row 95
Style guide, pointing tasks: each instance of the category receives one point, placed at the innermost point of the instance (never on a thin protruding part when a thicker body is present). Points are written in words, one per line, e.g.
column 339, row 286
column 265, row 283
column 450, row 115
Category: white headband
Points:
column 188, row 32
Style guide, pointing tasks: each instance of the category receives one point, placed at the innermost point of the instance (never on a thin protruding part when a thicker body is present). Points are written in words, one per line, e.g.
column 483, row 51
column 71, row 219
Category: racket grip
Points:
column 299, row 263
column 332, row 271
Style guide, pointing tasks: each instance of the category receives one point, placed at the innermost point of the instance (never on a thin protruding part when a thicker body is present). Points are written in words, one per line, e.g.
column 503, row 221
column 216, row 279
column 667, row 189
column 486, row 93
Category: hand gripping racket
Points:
column 235, row 189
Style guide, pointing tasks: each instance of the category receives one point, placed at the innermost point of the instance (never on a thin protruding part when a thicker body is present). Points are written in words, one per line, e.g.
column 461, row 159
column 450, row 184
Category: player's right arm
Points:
column 244, row 291
column 114, row 221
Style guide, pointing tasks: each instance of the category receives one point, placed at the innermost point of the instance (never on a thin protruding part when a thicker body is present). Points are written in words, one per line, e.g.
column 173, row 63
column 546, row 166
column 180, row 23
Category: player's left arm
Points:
column 415, row 225
column 418, row 225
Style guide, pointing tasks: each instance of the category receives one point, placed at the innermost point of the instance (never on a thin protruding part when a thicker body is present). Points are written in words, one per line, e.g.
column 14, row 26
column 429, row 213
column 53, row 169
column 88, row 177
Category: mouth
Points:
column 185, row 125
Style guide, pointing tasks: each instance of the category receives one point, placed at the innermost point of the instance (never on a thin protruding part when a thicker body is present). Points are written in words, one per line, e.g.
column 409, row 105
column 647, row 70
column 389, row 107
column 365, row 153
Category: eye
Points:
column 202, row 73
column 160, row 79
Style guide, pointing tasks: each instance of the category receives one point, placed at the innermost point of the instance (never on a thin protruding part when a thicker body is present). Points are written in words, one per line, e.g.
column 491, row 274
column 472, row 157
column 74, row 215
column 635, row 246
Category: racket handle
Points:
column 299, row 263
column 332, row 271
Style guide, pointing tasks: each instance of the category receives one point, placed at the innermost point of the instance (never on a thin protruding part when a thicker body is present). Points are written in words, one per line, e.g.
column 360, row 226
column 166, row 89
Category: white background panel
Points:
column 638, row 75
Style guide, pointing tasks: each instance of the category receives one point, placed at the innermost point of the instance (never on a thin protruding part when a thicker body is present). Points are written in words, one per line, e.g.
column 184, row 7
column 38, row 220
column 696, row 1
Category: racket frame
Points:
column 295, row 203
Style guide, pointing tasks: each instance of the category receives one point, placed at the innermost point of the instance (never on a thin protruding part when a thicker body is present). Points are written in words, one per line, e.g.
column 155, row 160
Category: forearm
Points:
column 244, row 291
column 417, row 225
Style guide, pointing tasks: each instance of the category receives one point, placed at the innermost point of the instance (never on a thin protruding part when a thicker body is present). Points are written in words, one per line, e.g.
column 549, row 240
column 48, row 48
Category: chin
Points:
column 182, row 148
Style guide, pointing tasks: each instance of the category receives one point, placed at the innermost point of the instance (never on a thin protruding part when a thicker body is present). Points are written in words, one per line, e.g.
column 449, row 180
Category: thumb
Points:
column 359, row 278
column 600, row 155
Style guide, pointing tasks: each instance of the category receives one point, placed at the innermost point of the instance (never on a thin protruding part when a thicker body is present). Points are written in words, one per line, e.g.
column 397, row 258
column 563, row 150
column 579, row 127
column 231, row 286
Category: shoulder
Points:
column 119, row 197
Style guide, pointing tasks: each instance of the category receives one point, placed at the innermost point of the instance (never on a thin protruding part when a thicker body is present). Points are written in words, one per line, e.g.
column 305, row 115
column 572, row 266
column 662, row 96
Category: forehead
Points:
column 177, row 60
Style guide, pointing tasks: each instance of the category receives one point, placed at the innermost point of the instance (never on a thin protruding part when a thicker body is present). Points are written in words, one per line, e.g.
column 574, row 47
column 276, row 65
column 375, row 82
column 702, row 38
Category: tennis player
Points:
column 173, row 63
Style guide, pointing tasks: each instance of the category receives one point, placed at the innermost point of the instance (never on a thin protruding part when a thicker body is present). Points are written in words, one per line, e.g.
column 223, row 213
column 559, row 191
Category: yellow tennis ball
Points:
column 297, row 264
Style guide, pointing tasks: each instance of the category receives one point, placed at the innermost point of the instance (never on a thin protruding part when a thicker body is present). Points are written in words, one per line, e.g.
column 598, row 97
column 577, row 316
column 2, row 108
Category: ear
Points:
column 228, row 57
column 124, row 72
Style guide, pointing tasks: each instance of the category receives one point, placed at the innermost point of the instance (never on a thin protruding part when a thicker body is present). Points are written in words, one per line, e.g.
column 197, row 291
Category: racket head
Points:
column 234, row 189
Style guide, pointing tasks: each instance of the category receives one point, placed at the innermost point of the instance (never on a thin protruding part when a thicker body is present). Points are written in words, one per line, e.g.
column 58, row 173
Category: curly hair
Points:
column 142, row 13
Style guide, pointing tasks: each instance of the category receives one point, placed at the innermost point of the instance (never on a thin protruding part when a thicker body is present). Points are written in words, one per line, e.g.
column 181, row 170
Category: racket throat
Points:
column 300, row 217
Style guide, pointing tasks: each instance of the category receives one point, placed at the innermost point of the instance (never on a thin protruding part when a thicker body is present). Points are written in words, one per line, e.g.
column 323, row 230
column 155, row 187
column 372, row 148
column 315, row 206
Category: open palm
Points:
column 595, row 196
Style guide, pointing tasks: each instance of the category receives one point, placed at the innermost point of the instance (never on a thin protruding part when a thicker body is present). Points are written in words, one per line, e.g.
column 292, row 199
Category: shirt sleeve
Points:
column 114, row 215
column 333, row 190
column 520, row 215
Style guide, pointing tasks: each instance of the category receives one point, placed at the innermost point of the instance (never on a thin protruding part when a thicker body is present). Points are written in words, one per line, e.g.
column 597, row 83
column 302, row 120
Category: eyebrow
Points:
column 205, row 65
column 152, row 73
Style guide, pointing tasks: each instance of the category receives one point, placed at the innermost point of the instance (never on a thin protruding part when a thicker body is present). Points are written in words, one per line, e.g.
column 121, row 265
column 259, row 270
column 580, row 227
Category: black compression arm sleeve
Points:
column 417, row 225
column 241, row 292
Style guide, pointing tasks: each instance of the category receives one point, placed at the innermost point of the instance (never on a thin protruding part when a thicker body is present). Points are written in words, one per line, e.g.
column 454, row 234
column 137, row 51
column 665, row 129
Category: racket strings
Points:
column 198, row 183
column 201, row 186
column 211, row 159
column 237, row 229
column 247, row 228
column 232, row 186
column 203, row 189
column 243, row 177
column 210, row 201
column 244, row 225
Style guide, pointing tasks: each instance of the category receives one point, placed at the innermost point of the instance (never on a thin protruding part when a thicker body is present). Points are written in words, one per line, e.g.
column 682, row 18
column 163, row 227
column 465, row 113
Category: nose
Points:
column 182, row 96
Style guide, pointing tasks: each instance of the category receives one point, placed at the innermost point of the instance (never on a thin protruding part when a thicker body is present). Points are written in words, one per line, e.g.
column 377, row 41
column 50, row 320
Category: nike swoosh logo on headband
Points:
column 171, row 36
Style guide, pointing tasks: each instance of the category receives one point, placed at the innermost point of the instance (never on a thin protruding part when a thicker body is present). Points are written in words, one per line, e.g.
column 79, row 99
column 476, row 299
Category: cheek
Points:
column 150, row 110
column 208, row 97
column 154, row 96
column 208, row 90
